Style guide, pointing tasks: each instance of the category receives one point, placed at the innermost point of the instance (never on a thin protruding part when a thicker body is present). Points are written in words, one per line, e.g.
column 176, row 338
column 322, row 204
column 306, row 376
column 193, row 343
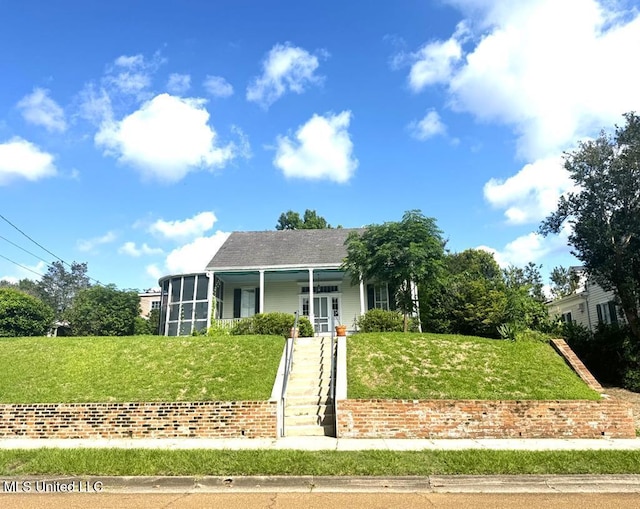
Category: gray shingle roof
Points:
column 279, row 248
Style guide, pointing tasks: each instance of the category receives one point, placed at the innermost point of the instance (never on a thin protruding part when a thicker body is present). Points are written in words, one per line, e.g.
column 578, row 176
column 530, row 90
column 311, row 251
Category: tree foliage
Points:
column 399, row 254
column 59, row 286
column 603, row 213
column 291, row 220
column 22, row 314
column 104, row 311
column 564, row 282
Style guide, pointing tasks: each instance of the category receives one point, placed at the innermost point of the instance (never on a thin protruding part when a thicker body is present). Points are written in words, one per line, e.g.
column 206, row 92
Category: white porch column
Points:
column 362, row 301
column 166, row 318
column 414, row 296
column 311, row 313
column 261, row 291
column 211, row 299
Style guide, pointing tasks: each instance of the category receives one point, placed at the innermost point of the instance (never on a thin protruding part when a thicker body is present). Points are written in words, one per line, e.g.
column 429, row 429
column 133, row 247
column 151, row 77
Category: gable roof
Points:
column 282, row 248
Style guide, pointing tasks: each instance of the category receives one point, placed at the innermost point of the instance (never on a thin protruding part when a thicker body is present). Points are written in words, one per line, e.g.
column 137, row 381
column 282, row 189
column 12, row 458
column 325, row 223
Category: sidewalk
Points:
column 328, row 443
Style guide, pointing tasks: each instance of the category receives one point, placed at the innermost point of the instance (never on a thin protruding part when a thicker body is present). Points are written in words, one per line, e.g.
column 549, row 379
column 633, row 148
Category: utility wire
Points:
column 21, row 266
column 40, row 246
column 23, row 249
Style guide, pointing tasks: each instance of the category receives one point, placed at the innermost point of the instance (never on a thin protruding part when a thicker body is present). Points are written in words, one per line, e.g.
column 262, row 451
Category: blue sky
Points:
column 135, row 136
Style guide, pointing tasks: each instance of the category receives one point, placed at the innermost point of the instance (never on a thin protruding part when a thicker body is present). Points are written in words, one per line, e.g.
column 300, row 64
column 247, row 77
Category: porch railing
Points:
column 225, row 323
column 288, row 362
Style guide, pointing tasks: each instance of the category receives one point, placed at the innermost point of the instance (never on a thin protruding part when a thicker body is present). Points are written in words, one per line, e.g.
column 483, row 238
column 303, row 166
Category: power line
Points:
column 39, row 245
column 23, row 249
column 21, row 266
column 49, row 264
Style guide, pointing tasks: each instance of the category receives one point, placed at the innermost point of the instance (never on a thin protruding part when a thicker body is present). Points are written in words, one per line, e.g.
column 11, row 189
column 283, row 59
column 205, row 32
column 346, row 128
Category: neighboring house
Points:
column 149, row 300
column 262, row 272
column 588, row 306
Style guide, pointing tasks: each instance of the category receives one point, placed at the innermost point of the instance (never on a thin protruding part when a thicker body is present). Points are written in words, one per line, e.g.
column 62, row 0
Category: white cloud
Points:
column 322, row 150
column 95, row 105
column 130, row 248
column 193, row 257
column 178, row 83
column 434, row 63
column 39, row 109
column 286, row 68
column 22, row 159
column 154, row 271
column 532, row 193
column 531, row 247
column 428, row 127
column 32, row 272
column 217, row 86
column 165, row 139
column 132, row 74
column 188, row 228
column 90, row 244
column 553, row 71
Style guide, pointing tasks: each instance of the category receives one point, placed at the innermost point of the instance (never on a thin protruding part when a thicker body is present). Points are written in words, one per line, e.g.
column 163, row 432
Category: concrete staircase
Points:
column 306, row 412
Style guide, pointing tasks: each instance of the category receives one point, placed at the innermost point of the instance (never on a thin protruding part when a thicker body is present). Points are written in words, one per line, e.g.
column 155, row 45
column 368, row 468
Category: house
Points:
column 149, row 300
column 589, row 305
column 262, row 272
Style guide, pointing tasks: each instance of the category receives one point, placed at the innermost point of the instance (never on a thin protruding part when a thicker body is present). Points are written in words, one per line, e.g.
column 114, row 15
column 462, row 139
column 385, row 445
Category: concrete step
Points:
column 307, row 392
column 322, row 409
column 292, row 401
column 309, row 420
column 309, row 431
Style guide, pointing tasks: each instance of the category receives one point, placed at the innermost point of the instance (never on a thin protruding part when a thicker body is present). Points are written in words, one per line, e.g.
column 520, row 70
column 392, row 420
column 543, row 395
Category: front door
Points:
column 324, row 307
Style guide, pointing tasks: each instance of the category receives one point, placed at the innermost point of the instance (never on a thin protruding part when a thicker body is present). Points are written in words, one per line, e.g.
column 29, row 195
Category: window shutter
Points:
column 612, row 312
column 599, row 310
column 237, row 296
column 393, row 305
column 257, row 301
column 370, row 298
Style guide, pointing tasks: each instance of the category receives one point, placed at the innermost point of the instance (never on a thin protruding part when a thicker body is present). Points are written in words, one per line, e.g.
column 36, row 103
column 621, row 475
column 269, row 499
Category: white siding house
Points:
column 588, row 306
column 289, row 271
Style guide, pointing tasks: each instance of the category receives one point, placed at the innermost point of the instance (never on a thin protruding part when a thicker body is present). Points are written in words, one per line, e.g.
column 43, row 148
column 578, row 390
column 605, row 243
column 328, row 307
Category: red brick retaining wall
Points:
column 484, row 419
column 204, row 419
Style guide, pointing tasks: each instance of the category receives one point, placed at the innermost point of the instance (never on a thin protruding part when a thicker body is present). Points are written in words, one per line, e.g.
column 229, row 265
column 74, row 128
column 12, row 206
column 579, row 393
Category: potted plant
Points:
column 341, row 330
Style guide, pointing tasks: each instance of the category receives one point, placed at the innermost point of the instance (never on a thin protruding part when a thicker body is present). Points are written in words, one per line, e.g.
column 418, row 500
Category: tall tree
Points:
column 104, row 311
column 604, row 213
column 59, row 285
column 291, row 220
column 22, row 314
column 401, row 254
column 564, row 281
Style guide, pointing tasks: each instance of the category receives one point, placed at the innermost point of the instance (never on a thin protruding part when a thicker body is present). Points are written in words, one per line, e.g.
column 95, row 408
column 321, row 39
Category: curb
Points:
column 326, row 484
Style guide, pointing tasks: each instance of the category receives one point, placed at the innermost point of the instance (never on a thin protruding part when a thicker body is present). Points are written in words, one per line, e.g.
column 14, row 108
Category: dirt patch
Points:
column 629, row 396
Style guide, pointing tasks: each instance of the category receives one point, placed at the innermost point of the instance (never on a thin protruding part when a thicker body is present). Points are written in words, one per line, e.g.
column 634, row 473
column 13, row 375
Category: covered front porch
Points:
column 324, row 295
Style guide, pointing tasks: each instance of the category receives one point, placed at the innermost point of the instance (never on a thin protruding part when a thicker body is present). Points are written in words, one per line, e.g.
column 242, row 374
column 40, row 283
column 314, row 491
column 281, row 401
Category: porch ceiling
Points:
column 299, row 276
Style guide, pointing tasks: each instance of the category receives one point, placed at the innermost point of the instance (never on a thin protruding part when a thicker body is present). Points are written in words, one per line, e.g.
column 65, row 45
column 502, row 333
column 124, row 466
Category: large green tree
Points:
column 604, row 213
column 22, row 314
column 470, row 297
column 564, row 281
column 59, row 286
column 104, row 311
column 291, row 220
column 401, row 254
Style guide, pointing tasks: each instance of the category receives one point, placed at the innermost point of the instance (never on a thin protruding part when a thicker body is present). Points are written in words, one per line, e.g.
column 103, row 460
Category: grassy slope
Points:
column 434, row 366
column 139, row 368
column 48, row 461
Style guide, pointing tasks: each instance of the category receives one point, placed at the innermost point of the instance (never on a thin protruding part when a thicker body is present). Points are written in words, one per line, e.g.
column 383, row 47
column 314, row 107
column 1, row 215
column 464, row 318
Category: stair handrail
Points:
column 288, row 361
column 332, row 373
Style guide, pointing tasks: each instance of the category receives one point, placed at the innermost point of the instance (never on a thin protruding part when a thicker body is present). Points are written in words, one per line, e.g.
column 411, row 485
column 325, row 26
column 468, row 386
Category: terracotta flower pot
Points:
column 341, row 330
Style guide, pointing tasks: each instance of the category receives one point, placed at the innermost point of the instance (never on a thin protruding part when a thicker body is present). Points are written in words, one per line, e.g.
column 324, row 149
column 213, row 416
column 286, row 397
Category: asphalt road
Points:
column 320, row 500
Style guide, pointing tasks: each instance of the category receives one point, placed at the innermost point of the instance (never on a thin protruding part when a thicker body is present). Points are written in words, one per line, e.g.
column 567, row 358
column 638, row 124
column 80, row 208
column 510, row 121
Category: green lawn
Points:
column 265, row 462
column 138, row 368
column 436, row 366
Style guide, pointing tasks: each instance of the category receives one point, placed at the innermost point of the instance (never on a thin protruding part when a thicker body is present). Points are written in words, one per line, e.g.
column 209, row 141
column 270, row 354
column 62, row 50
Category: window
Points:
column 378, row 297
column 320, row 289
column 607, row 313
column 155, row 304
column 184, row 305
column 566, row 317
column 248, row 303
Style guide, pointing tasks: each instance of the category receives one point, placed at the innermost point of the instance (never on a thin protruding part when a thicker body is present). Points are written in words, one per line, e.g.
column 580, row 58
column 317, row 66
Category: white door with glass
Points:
column 324, row 307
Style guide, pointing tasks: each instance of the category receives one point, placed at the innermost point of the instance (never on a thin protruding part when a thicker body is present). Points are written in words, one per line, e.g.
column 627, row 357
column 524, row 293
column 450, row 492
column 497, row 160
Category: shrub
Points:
column 276, row 324
column 104, row 311
column 532, row 335
column 22, row 314
column 379, row 320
